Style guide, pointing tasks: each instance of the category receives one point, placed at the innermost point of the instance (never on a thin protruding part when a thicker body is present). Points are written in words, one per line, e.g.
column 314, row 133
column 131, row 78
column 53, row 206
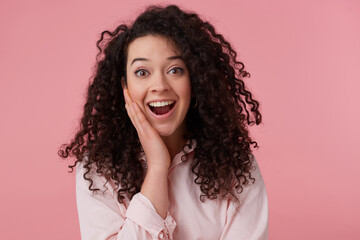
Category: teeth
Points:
column 160, row 104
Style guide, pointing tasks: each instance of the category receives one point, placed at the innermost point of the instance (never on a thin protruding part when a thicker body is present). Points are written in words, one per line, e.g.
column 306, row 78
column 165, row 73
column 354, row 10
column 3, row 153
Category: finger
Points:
column 138, row 118
column 126, row 96
column 133, row 117
column 141, row 119
column 137, row 114
column 128, row 107
column 129, row 114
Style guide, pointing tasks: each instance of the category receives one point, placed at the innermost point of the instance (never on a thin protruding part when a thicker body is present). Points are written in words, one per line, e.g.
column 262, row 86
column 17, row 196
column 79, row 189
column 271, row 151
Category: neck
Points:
column 175, row 142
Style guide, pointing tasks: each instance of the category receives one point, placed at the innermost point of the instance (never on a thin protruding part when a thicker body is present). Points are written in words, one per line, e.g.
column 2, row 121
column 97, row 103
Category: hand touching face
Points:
column 157, row 154
column 158, row 81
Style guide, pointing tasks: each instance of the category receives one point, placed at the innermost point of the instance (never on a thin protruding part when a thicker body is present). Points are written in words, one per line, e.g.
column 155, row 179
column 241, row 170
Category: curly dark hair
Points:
column 218, row 123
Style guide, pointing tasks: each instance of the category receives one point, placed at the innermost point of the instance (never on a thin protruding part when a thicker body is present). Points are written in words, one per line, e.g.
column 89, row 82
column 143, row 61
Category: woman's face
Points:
column 158, row 81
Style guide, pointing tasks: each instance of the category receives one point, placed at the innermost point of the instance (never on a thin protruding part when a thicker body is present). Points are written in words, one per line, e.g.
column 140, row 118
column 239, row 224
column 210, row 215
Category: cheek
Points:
column 185, row 92
column 137, row 94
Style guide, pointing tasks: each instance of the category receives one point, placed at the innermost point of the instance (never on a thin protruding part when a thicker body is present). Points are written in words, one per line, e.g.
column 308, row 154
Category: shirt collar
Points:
column 189, row 148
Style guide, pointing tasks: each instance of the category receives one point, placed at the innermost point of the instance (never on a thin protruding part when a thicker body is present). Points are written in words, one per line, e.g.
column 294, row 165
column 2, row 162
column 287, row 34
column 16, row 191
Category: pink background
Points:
column 304, row 58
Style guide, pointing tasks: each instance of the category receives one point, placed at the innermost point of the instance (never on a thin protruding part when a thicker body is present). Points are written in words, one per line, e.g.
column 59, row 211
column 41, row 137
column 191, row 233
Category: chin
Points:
column 164, row 132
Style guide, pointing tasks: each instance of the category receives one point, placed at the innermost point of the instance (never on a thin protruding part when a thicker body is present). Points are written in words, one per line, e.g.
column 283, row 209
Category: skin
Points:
column 161, row 139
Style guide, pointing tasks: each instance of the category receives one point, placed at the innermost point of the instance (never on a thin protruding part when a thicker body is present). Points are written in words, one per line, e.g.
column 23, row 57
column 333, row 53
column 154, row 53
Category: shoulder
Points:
column 255, row 169
column 255, row 188
column 87, row 176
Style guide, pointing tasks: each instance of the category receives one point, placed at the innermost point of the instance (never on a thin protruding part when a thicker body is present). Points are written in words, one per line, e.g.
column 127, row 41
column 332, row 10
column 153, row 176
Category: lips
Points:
column 162, row 110
column 160, row 100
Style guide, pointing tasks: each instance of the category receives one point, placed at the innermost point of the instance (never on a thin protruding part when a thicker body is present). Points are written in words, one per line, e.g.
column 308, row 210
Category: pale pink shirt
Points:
column 101, row 216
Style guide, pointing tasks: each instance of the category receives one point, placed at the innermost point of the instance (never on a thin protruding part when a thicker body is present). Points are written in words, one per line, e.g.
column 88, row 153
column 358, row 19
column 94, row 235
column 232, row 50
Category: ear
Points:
column 123, row 83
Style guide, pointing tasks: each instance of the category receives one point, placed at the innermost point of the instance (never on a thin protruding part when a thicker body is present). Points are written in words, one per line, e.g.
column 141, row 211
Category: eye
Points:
column 178, row 70
column 142, row 72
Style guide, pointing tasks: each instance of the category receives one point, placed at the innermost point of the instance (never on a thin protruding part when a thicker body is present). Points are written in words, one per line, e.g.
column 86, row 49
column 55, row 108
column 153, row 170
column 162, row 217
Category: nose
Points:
column 159, row 83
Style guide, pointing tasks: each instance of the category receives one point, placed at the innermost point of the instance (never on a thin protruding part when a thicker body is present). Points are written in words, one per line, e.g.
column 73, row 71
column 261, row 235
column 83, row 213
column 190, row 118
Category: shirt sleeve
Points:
column 250, row 220
column 102, row 217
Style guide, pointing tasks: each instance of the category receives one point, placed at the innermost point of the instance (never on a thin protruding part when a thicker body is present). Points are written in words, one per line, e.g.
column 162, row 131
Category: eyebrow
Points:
column 145, row 59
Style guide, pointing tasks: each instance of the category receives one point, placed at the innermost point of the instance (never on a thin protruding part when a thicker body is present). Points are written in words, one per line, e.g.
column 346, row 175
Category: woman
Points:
column 163, row 151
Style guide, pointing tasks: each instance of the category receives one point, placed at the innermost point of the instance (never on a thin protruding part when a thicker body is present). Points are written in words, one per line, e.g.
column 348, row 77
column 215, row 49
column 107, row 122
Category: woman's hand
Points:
column 157, row 154
column 155, row 185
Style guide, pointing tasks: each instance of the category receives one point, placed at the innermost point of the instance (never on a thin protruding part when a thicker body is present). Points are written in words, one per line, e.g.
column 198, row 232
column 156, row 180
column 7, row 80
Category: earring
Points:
column 196, row 102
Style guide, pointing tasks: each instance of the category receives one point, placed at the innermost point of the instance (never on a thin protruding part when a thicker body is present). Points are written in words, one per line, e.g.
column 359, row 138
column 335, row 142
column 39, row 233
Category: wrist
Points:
column 158, row 169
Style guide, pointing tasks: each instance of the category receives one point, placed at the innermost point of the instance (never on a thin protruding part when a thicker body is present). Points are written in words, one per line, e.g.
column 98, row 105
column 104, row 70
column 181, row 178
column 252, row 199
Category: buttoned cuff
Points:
column 143, row 212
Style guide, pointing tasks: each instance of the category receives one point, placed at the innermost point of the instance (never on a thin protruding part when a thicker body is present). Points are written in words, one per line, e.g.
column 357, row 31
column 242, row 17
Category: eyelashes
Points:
column 177, row 68
column 143, row 71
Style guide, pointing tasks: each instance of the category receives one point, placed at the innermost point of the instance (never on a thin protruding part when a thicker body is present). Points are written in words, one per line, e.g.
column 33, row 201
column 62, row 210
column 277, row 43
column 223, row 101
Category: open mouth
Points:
column 163, row 109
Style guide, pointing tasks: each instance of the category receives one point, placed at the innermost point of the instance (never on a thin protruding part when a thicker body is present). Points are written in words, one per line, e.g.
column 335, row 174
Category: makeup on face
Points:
column 158, row 80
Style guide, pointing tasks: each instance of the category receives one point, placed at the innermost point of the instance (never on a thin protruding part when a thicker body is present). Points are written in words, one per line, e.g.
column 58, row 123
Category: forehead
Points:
column 150, row 45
